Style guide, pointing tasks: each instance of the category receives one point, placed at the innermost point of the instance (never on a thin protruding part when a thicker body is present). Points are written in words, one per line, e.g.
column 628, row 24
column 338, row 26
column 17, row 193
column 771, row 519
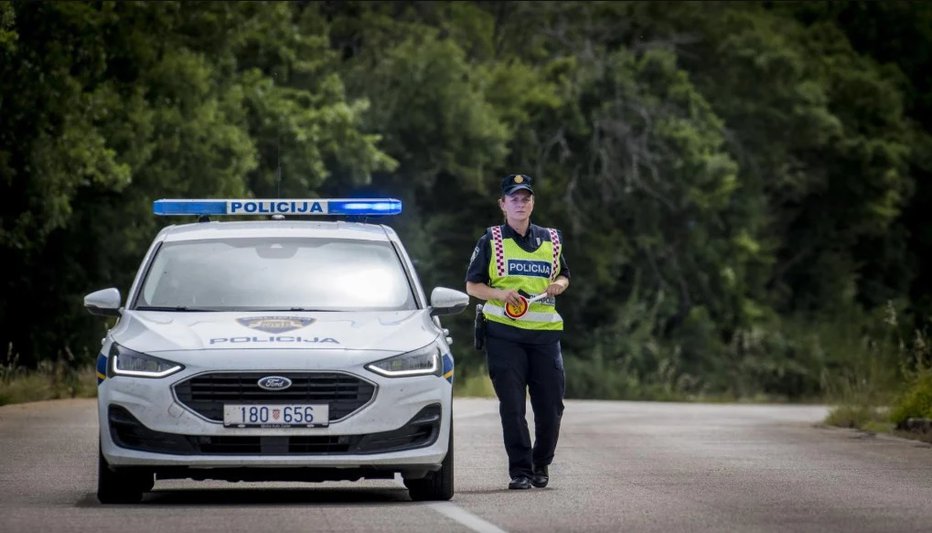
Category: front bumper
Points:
column 128, row 432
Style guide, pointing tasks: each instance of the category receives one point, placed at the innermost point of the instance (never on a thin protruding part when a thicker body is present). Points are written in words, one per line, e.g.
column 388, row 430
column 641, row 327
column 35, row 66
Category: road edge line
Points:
column 457, row 513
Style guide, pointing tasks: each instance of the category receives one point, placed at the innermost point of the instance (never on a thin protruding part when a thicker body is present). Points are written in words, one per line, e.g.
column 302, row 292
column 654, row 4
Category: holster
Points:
column 480, row 328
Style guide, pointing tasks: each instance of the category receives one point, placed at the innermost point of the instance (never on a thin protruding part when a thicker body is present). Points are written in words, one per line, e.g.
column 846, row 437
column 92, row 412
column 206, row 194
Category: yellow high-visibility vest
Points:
column 512, row 267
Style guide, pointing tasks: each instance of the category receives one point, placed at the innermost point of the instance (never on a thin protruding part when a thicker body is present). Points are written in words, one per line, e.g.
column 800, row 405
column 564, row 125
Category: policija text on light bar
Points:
column 337, row 206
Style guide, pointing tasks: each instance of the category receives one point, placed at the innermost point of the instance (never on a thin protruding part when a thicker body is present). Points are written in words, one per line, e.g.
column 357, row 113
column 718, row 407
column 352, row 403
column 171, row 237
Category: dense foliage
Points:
column 743, row 186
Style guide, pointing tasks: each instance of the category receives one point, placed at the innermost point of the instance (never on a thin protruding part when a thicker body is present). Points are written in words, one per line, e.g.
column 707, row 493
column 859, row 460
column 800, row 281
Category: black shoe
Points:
column 541, row 477
column 519, row 483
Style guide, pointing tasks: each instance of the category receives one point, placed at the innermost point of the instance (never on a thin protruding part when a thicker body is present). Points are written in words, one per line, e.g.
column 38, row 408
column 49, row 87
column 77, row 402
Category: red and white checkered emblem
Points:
column 499, row 248
column 555, row 240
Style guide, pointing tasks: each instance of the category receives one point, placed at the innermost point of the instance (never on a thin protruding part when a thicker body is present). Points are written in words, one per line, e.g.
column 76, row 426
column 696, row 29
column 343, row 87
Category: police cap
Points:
column 516, row 182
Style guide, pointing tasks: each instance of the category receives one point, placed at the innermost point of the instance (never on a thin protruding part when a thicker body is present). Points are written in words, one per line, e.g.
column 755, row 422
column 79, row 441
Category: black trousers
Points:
column 515, row 368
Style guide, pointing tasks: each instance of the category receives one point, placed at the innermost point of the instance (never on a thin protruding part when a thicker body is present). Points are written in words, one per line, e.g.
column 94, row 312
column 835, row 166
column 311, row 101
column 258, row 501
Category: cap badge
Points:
column 519, row 179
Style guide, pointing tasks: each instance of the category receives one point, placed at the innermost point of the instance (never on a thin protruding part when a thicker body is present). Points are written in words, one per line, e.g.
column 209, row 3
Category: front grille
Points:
column 206, row 393
column 128, row 432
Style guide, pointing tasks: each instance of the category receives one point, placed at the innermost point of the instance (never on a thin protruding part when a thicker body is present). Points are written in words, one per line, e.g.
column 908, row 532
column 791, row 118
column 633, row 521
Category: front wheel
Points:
column 436, row 486
column 121, row 486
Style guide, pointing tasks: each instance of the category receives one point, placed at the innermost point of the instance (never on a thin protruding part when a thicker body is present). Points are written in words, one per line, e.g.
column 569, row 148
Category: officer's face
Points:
column 517, row 206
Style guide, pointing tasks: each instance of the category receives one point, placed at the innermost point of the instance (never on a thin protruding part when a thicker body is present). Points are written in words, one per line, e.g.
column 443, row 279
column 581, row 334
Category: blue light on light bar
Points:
column 247, row 206
column 189, row 207
column 385, row 206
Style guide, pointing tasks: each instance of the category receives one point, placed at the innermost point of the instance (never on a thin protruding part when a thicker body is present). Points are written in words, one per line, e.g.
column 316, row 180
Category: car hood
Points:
column 157, row 331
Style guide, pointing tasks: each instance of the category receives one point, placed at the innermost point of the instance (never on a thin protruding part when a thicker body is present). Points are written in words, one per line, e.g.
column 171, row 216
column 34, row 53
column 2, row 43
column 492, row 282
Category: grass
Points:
column 880, row 398
column 50, row 381
column 473, row 385
column 864, row 417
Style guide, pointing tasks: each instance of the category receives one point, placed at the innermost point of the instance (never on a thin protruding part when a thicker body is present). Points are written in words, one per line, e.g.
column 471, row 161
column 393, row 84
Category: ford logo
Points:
column 274, row 383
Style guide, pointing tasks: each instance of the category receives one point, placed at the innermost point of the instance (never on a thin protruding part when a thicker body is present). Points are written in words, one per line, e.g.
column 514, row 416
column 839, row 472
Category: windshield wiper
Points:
column 184, row 309
column 179, row 308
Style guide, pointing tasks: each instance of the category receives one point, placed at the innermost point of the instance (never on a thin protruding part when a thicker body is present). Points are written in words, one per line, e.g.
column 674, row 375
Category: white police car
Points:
column 275, row 350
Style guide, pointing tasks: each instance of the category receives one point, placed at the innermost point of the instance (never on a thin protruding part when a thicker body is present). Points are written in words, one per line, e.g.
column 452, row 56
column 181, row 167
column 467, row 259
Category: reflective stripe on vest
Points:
column 491, row 309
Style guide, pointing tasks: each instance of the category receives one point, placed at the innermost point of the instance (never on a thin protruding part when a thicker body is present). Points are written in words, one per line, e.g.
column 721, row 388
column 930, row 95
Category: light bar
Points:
column 246, row 206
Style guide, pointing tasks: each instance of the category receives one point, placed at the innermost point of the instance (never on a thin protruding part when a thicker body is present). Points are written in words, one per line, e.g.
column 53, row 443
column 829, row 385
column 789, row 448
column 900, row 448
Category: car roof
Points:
column 277, row 228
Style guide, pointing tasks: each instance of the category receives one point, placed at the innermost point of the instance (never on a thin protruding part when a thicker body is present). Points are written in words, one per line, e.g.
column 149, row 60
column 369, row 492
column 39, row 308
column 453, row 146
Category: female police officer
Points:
column 511, row 264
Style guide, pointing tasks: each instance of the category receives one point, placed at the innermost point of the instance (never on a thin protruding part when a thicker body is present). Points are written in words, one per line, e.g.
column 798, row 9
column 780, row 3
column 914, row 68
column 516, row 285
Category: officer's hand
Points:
column 555, row 289
column 511, row 296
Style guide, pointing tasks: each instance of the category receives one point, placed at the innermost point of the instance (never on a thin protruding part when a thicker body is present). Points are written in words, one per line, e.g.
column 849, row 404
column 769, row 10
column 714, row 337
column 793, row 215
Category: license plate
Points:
column 276, row 415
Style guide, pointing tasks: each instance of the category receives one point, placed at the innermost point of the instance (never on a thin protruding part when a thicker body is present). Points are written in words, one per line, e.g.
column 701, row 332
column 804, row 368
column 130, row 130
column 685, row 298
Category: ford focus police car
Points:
column 275, row 350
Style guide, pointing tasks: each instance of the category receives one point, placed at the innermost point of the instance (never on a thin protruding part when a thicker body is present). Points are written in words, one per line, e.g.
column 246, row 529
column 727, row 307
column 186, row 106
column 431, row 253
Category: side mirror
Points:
column 104, row 302
column 444, row 301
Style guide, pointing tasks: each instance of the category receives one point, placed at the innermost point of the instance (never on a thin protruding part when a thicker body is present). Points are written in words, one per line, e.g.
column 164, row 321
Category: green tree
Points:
column 110, row 106
column 897, row 35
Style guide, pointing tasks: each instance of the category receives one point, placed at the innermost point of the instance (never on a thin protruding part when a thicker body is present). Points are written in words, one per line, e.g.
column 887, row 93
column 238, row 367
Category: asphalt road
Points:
column 621, row 466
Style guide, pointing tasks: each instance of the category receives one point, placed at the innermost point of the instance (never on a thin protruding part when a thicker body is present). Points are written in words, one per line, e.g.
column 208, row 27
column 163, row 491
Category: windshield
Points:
column 275, row 275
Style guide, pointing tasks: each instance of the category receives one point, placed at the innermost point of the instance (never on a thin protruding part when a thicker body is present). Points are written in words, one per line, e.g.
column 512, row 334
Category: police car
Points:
column 275, row 350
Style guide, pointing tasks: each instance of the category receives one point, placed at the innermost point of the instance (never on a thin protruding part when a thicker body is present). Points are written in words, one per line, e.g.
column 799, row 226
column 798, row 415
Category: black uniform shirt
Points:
column 478, row 272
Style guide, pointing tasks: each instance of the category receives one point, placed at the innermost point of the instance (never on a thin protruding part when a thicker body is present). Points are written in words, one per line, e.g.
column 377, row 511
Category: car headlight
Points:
column 126, row 362
column 422, row 362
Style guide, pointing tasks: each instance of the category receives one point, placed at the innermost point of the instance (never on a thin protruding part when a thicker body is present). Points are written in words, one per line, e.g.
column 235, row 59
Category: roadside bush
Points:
column 916, row 402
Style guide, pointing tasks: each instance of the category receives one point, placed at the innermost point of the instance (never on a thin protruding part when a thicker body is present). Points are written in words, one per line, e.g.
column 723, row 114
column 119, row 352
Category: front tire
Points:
column 436, row 486
column 121, row 486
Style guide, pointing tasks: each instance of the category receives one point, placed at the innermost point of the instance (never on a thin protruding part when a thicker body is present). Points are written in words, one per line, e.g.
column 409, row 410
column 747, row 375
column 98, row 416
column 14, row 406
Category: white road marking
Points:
column 473, row 522
column 458, row 514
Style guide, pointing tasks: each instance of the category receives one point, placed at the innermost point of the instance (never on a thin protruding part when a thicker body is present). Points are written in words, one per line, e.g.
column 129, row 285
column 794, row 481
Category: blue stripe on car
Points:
column 448, row 367
column 101, row 367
